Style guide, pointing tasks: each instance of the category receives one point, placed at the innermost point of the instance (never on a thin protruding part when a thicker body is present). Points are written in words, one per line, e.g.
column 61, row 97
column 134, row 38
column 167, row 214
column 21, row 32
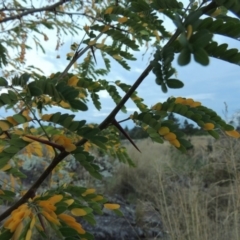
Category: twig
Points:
column 34, row 10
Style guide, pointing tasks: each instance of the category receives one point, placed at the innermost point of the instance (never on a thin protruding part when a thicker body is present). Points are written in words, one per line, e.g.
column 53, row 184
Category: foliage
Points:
column 116, row 30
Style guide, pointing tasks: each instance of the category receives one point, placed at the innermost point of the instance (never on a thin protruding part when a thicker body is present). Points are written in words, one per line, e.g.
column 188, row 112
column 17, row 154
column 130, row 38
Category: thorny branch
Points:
column 109, row 119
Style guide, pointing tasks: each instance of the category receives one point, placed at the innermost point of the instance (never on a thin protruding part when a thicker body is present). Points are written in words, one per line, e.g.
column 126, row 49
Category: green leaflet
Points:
column 184, row 57
column 66, row 120
column 3, row 82
column 221, row 52
column 201, row 56
column 174, row 83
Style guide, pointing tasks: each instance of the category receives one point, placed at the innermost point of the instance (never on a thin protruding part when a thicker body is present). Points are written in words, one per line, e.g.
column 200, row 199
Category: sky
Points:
column 212, row 85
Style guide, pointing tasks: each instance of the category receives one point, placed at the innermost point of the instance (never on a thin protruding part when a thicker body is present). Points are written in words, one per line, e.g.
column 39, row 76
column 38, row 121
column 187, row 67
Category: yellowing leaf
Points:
column 64, row 104
column 117, row 57
column 208, row 126
column 17, row 232
column 77, row 227
column 109, row 10
column 175, row 143
column 188, row 101
column 91, row 43
column 1, row 192
column 6, row 167
column 233, row 133
column 155, row 32
column 4, row 125
column 66, row 218
column 73, row 81
column 46, row 117
column 86, row 28
column 99, row 45
column 70, row 147
column 89, row 191
column 111, row 206
column 29, row 234
column 170, row 136
column 26, row 139
column 163, row 131
column 157, row 107
column 78, row 212
column 33, row 221
column 50, row 218
column 122, row 19
column 97, row 198
column 179, row 100
column 12, row 121
column 106, row 27
column 55, row 199
column 195, row 104
column 69, row 202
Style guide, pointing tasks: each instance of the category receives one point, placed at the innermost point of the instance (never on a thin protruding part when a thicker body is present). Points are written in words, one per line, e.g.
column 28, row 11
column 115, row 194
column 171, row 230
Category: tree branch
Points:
column 109, row 119
column 34, row 10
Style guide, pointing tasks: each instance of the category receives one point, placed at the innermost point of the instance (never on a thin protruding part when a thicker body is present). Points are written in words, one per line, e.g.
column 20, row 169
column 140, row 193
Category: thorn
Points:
column 93, row 54
column 119, row 127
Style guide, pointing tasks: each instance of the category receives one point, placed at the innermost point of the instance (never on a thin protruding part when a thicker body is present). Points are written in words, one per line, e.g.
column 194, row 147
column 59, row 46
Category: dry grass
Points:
column 197, row 196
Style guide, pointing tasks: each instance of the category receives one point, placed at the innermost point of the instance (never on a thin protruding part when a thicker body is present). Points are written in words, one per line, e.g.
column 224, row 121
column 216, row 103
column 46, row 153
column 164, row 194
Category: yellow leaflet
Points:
column 97, row 198
column 17, row 232
column 99, row 45
column 188, row 101
column 70, row 147
column 195, row 104
column 216, row 12
column 32, row 224
column 29, row 234
column 109, row 10
column 189, row 31
column 170, row 136
column 155, row 32
column 163, row 131
column 208, row 126
column 122, row 19
column 1, row 192
column 233, row 133
column 46, row 117
column 1, row 148
column 179, row 100
column 106, row 27
column 111, row 206
column 12, row 121
column 55, row 199
column 36, row 148
column 157, row 106
column 69, row 202
column 6, row 167
column 69, row 55
column 91, row 43
column 64, row 104
column 117, row 57
column 4, row 126
column 73, row 81
column 175, row 143
column 78, row 212
column 86, row 28
column 89, row 191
